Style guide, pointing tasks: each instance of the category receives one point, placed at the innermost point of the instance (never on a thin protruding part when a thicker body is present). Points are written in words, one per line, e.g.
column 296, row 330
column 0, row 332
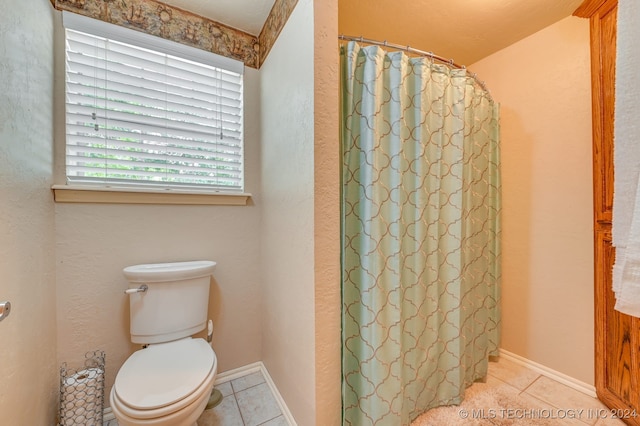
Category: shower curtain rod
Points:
column 410, row 49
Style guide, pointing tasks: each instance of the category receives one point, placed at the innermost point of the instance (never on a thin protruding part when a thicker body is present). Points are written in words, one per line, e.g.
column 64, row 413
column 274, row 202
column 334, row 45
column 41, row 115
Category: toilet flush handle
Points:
column 140, row 289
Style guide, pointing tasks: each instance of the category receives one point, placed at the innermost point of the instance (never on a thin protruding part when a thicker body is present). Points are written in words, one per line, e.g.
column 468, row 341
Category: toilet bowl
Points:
column 166, row 384
column 169, row 381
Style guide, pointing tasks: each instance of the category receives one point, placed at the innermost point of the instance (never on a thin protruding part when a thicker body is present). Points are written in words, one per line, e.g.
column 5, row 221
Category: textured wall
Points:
column 28, row 368
column 543, row 86
column 287, row 213
column 274, row 23
column 327, row 214
column 95, row 241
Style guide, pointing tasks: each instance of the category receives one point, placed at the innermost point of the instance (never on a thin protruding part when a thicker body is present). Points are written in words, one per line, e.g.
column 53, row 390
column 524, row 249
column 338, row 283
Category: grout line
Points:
column 550, row 373
column 525, row 392
column 273, row 418
column 239, row 410
column 504, row 382
column 531, row 384
column 288, row 417
column 252, row 386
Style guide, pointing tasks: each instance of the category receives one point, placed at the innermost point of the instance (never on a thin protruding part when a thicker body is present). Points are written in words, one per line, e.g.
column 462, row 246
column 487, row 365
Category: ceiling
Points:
column 464, row 30
column 245, row 15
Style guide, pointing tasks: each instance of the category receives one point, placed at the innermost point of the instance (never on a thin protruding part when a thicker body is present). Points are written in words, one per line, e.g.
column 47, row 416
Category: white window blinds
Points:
column 143, row 111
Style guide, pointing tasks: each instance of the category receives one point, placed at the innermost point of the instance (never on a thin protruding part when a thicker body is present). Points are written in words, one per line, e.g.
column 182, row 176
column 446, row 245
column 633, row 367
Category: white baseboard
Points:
column 252, row 368
column 550, row 373
column 232, row 375
column 229, row 375
column 283, row 406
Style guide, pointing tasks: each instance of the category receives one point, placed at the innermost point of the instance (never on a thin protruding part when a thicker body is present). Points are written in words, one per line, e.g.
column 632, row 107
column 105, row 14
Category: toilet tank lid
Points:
column 164, row 374
column 160, row 272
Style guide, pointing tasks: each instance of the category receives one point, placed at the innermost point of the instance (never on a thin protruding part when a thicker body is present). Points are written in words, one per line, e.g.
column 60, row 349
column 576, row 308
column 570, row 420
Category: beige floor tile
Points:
column 532, row 411
column 245, row 382
column 498, row 403
column 492, row 383
column 449, row 416
column 477, row 408
column 505, row 405
column 224, row 388
column 226, row 413
column 563, row 397
column 605, row 419
column 257, row 405
column 514, row 374
column 278, row 421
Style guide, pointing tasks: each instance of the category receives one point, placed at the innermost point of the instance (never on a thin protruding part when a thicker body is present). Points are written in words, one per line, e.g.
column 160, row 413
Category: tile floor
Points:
column 247, row 401
column 511, row 383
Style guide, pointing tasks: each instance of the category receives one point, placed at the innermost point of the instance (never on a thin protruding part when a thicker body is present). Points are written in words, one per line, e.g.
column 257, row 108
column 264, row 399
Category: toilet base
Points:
column 214, row 399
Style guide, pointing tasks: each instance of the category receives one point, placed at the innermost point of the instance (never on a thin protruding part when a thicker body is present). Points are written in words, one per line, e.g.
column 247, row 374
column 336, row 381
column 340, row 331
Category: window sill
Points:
column 110, row 195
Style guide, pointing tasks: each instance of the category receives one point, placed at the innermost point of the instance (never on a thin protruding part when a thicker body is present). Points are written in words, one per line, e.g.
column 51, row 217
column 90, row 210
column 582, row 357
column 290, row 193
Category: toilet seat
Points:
column 181, row 414
column 164, row 378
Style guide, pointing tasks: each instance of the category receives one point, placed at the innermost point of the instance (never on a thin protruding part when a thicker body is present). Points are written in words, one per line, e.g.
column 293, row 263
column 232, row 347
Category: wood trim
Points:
column 601, row 238
column 617, row 336
column 588, row 8
column 68, row 194
column 603, row 39
column 616, row 357
column 597, row 115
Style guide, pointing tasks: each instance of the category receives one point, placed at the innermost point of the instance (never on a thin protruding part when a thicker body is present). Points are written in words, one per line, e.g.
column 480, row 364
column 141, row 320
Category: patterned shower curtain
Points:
column 420, row 235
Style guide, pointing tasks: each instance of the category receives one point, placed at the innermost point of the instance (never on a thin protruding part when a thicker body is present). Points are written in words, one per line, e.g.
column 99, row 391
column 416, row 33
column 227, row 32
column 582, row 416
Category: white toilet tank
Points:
column 175, row 302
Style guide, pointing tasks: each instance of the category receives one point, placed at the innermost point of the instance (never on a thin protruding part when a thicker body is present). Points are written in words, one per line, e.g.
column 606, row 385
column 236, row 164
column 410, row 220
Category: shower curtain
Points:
column 420, row 234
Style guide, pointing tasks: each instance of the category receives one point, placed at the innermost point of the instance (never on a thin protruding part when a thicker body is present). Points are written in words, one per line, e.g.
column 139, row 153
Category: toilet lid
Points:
column 164, row 373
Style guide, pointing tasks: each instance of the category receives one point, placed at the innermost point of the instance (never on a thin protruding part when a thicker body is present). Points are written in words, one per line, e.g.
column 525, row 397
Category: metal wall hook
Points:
column 5, row 309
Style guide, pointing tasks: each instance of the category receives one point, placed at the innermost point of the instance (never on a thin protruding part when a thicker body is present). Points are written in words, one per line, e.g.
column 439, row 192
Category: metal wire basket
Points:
column 82, row 392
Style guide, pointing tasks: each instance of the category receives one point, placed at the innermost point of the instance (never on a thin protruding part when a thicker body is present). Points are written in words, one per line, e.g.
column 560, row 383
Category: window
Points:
column 145, row 112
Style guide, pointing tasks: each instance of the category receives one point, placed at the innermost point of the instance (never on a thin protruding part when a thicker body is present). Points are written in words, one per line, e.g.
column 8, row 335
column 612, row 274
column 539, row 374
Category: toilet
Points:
column 169, row 381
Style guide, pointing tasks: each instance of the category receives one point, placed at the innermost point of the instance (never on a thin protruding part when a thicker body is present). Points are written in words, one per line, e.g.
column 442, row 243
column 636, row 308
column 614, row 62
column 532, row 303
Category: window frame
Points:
column 144, row 193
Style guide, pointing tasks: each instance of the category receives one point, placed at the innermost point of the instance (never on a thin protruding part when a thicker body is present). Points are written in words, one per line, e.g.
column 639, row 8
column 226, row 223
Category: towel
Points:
column 626, row 195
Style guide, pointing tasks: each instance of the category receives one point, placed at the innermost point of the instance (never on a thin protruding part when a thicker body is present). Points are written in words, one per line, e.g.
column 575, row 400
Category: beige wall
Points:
column 327, row 214
column 28, row 368
column 287, row 195
column 94, row 242
column 543, row 86
column 285, row 247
